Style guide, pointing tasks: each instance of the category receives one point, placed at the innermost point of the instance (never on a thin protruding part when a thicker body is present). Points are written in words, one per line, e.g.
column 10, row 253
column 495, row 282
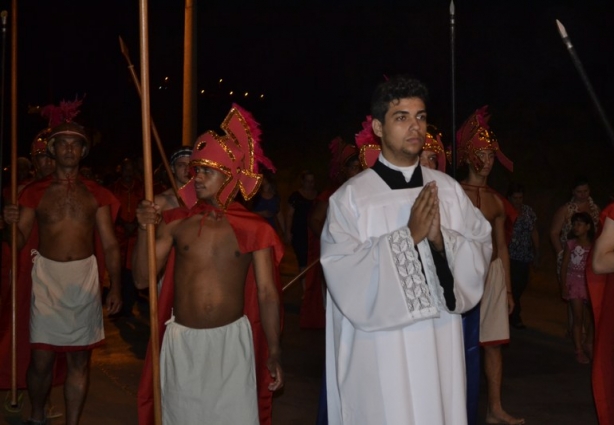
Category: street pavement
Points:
column 542, row 381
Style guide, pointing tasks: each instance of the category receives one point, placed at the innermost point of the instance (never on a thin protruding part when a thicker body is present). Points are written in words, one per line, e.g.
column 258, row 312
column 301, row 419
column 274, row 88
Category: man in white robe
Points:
column 404, row 253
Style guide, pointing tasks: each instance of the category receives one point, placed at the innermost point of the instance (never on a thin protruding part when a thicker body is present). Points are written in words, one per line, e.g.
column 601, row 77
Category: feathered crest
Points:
column 254, row 128
column 366, row 136
column 65, row 112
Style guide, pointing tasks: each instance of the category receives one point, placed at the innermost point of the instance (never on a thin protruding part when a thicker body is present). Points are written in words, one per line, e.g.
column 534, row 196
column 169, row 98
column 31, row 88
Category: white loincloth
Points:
column 494, row 319
column 66, row 311
column 208, row 376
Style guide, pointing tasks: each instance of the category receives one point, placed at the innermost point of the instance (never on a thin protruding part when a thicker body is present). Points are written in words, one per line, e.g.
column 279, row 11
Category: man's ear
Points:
column 377, row 127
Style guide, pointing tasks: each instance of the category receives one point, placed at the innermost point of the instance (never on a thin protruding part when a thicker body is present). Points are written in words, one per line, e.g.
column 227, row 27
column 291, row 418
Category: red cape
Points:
column 253, row 233
column 601, row 293
column 30, row 197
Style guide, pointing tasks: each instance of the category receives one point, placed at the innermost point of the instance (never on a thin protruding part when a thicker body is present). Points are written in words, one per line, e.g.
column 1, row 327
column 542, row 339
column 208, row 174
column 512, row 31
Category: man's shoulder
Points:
column 360, row 182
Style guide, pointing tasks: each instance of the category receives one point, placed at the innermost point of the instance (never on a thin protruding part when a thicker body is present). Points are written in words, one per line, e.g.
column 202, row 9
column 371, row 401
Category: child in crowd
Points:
column 573, row 282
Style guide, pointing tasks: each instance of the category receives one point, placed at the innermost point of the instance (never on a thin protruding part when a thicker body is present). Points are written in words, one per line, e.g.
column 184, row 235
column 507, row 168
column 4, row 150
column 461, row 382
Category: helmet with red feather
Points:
column 236, row 154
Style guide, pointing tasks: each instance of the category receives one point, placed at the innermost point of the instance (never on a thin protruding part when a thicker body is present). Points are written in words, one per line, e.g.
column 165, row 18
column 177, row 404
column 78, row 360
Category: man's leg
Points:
column 77, row 382
column 39, row 376
column 493, row 369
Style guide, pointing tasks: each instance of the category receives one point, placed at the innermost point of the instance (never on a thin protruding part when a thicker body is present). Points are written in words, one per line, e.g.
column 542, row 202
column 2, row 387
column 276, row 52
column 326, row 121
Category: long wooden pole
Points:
column 453, row 83
column 587, row 83
column 189, row 75
column 154, row 130
column 301, row 274
column 149, row 195
column 14, row 202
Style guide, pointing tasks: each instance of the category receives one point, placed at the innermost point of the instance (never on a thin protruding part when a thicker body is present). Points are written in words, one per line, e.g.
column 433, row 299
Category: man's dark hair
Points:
column 396, row 88
column 579, row 181
column 515, row 187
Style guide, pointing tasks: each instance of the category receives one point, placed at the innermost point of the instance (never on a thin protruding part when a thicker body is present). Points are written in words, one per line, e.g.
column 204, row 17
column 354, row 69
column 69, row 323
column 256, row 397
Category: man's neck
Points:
column 403, row 162
column 476, row 180
column 67, row 173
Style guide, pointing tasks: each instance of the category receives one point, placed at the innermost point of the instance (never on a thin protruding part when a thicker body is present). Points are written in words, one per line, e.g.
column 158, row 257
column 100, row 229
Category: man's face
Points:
column 403, row 131
column 428, row 159
column 351, row 168
column 68, row 150
column 43, row 165
column 208, row 182
column 581, row 193
column 487, row 156
column 181, row 170
column 517, row 199
column 308, row 182
column 127, row 170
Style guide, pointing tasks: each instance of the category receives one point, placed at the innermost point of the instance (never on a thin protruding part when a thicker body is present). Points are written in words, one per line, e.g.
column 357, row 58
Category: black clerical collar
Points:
column 395, row 179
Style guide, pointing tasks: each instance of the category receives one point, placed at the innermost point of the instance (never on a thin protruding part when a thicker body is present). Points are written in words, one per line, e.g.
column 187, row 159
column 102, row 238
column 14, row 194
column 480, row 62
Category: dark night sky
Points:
column 317, row 64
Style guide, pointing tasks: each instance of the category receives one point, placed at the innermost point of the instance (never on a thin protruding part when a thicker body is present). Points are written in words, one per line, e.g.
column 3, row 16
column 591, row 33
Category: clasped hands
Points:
column 424, row 221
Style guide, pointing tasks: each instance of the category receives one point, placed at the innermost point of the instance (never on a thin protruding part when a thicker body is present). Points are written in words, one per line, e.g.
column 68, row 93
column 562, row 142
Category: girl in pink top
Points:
column 573, row 282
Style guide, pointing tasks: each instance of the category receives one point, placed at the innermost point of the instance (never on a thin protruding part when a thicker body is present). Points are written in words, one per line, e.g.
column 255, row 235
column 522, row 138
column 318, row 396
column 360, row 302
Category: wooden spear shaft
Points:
column 154, row 130
column 14, row 202
column 301, row 274
column 453, row 83
column 151, row 249
column 587, row 83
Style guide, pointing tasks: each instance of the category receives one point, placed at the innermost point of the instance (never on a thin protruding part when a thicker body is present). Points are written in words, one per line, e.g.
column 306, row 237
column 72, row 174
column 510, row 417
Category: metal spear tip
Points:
column 452, row 7
column 123, row 47
column 561, row 29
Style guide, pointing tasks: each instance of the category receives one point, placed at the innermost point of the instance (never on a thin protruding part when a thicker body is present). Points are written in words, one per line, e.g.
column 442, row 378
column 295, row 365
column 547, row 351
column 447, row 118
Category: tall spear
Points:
column 154, row 130
column 453, row 81
column 14, row 202
column 3, row 15
column 148, row 174
column 585, row 80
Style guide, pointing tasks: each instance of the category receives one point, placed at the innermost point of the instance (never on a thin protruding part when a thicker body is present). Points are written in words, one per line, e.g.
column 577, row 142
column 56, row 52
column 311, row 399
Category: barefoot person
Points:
column 223, row 256
column 477, row 148
column 66, row 313
column 404, row 253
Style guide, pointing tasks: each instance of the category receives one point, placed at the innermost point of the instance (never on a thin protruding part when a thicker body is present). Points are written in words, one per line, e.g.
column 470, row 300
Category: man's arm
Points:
column 106, row 232
column 603, row 252
column 555, row 229
column 24, row 217
column 503, row 254
column 268, row 301
column 149, row 213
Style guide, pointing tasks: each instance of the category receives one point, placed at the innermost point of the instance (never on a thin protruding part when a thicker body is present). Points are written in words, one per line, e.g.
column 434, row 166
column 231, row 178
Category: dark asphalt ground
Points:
column 542, row 381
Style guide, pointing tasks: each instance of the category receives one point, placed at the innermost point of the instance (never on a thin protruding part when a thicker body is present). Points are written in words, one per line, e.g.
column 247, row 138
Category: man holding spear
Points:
column 221, row 284
column 67, row 212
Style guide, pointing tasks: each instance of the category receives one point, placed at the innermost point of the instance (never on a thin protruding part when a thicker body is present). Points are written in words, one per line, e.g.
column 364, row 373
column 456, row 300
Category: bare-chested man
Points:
column 180, row 167
column 212, row 258
column 67, row 212
column 477, row 148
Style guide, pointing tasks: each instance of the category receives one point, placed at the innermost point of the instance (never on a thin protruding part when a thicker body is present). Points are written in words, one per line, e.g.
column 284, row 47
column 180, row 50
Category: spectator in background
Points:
column 129, row 191
column 523, row 248
column 266, row 202
column 296, row 229
column 581, row 201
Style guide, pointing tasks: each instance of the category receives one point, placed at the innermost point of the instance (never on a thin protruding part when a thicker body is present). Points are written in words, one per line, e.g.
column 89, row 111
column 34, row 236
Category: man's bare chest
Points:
column 205, row 239
column 60, row 203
